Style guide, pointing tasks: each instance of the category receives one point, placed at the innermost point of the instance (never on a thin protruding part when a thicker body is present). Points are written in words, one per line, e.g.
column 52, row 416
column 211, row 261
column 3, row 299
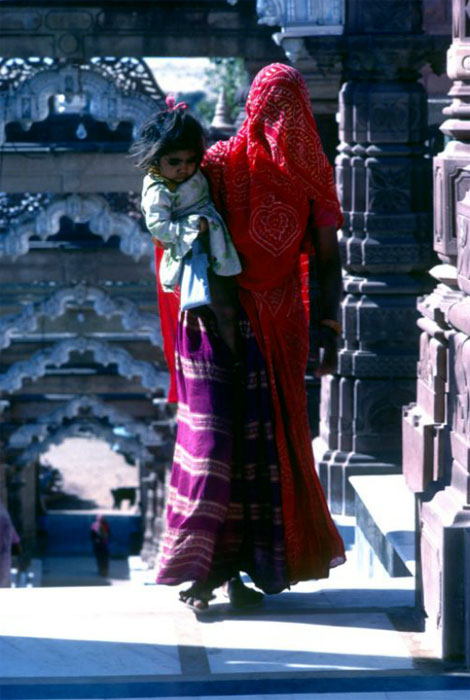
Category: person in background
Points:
column 9, row 543
column 100, row 533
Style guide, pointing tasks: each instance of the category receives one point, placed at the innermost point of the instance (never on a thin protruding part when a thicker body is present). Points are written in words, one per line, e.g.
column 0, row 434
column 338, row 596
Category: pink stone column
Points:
column 436, row 429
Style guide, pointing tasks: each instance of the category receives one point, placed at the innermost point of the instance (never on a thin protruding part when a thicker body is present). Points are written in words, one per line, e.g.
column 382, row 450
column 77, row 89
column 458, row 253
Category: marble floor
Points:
column 345, row 637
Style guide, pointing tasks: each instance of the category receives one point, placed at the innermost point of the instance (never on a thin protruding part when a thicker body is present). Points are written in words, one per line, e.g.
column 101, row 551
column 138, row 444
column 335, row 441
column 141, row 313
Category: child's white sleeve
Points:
column 178, row 234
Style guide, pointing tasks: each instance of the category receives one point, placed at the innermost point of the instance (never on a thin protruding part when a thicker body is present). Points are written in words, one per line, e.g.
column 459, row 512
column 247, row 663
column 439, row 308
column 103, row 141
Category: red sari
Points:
column 264, row 182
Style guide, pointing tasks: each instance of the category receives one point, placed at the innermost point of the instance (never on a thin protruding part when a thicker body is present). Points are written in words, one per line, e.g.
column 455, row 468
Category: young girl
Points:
column 178, row 210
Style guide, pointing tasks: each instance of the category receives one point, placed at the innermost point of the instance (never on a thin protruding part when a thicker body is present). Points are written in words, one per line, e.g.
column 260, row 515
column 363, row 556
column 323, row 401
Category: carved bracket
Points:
column 80, row 294
column 91, row 209
column 132, row 450
column 104, row 353
column 92, row 406
column 30, row 102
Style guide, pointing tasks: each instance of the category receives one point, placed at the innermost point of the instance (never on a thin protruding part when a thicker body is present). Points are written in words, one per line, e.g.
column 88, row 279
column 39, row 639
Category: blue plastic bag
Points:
column 194, row 285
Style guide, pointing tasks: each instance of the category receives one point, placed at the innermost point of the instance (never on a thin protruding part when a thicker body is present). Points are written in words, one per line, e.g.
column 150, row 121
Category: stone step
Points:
column 340, row 635
column 362, row 687
column 385, row 525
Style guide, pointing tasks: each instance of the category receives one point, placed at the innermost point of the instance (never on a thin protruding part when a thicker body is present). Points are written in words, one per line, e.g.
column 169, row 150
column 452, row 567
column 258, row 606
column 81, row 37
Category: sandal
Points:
column 196, row 600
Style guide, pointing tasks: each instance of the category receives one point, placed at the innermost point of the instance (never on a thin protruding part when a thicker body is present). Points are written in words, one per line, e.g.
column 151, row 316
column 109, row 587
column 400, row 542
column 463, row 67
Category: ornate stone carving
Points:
column 300, row 19
column 463, row 243
column 385, row 241
column 270, row 12
column 91, row 209
column 451, row 182
column 418, row 448
column 15, row 206
column 113, row 97
column 132, row 450
column 388, row 16
column 436, row 430
column 104, row 353
column 80, row 295
column 460, row 392
column 87, row 405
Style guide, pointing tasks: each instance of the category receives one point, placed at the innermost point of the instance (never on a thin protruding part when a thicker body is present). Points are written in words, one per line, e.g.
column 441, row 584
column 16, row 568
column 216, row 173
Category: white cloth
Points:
column 173, row 219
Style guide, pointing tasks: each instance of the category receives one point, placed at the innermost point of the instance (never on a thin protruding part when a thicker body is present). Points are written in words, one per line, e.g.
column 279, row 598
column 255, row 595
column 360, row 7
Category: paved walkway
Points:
column 342, row 638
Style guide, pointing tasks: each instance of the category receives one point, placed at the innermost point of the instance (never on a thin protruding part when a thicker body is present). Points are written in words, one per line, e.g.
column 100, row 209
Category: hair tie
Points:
column 171, row 103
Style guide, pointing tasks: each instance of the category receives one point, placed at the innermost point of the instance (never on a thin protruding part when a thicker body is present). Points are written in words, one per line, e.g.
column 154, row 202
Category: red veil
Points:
column 264, row 181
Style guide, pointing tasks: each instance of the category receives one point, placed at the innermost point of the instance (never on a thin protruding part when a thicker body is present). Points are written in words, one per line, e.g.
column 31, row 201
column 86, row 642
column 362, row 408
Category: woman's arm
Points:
column 328, row 262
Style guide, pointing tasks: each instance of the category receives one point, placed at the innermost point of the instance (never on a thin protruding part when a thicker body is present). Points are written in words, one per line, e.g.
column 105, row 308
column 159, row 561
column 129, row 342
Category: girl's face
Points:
column 178, row 166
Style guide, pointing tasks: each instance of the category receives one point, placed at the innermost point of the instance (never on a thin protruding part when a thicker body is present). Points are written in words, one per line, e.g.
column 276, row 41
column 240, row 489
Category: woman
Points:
column 244, row 494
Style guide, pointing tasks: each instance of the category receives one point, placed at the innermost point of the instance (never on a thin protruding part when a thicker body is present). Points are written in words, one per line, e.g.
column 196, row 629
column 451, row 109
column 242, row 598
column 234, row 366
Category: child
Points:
column 178, row 210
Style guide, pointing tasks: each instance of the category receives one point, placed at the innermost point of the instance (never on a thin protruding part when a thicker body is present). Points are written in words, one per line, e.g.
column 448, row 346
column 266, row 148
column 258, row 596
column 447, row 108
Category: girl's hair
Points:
column 168, row 131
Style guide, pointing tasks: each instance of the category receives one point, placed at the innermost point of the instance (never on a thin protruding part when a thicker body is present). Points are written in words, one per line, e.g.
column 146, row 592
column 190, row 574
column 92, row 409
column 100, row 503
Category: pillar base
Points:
column 445, row 574
column 336, row 466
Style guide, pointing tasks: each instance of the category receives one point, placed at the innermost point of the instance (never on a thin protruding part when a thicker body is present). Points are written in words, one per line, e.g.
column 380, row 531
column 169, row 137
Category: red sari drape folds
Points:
column 264, row 181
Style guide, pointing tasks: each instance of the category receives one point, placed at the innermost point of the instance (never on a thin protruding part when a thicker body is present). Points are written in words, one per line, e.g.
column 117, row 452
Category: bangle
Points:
column 330, row 323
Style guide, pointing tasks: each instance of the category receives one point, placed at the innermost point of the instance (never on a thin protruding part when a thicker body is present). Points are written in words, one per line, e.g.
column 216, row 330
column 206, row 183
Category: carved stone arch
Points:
column 88, row 209
column 103, row 352
column 129, row 448
column 55, row 305
column 29, row 103
column 84, row 406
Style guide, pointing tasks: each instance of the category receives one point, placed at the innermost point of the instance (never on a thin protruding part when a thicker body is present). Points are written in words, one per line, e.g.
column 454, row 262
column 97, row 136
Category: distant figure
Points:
column 100, row 534
column 9, row 540
column 123, row 493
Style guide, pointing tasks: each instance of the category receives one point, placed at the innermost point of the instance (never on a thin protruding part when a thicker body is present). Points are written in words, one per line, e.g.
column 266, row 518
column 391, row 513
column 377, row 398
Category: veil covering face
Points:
column 267, row 182
column 267, row 178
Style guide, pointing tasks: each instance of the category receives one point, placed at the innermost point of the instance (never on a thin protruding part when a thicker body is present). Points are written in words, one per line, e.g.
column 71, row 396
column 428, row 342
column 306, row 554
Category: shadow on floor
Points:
column 81, row 571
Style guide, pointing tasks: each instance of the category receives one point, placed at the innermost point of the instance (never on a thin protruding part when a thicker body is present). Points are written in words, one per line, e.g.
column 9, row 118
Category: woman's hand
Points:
column 159, row 244
column 328, row 342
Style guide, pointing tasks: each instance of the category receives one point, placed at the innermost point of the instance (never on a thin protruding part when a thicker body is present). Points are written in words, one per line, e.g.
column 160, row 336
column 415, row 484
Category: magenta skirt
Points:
column 224, row 510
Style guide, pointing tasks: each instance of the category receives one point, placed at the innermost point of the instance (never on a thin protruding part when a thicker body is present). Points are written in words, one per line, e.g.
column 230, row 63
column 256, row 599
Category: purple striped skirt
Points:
column 224, row 501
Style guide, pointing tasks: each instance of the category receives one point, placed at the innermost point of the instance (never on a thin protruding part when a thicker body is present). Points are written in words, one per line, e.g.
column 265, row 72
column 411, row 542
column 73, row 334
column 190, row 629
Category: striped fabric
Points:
column 224, row 501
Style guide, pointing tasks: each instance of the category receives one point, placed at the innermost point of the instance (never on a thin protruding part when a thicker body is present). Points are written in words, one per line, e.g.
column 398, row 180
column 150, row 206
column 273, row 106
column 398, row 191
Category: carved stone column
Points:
column 436, row 429
column 384, row 183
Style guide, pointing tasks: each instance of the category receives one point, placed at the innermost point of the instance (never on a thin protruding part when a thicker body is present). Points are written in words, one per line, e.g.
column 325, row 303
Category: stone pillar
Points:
column 154, row 511
column 436, row 429
column 384, row 182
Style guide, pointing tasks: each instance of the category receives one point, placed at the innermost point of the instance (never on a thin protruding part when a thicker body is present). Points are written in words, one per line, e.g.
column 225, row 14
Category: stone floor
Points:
column 345, row 638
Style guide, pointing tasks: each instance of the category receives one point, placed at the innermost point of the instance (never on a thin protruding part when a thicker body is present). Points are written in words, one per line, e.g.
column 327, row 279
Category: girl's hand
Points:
column 328, row 341
column 203, row 225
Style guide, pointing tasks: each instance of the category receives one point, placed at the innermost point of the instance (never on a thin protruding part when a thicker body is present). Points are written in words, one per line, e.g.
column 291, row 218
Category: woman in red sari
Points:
column 244, row 493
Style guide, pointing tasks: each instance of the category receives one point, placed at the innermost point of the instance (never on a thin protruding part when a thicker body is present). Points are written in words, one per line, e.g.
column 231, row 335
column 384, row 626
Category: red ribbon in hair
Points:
column 172, row 105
